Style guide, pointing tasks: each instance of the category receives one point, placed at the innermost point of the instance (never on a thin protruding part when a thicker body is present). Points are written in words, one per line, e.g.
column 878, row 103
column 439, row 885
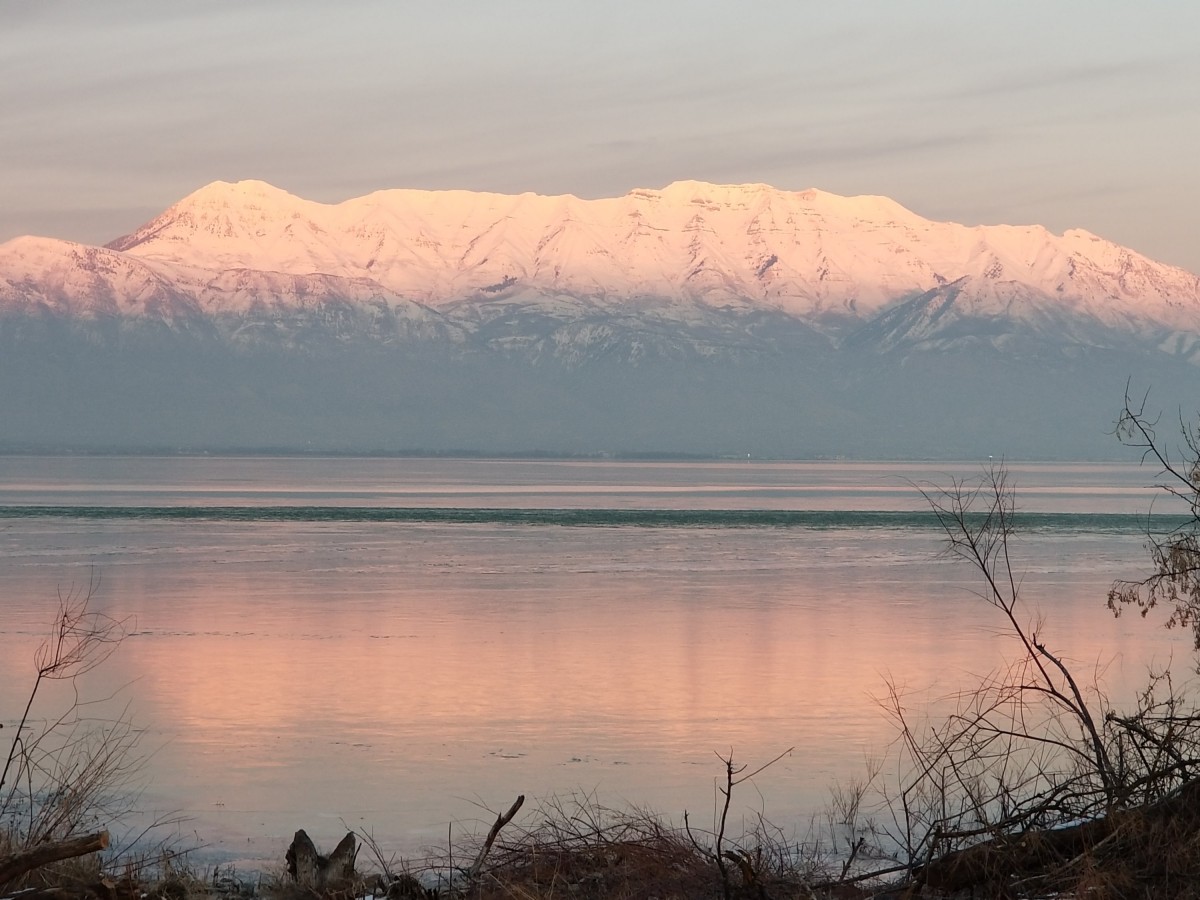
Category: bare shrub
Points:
column 1174, row 582
column 575, row 846
column 1032, row 750
column 76, row 770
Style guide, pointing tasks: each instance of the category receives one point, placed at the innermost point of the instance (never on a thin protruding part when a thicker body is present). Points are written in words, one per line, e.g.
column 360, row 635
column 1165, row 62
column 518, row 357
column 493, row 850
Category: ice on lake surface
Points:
column 325, row 670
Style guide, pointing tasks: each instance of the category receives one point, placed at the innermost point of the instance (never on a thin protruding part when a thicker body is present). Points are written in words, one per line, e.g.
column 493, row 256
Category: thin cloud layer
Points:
column 117, row 109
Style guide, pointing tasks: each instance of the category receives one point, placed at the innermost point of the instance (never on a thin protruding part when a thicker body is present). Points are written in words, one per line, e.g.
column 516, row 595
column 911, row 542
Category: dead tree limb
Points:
column 501, row 821
column 14, row 866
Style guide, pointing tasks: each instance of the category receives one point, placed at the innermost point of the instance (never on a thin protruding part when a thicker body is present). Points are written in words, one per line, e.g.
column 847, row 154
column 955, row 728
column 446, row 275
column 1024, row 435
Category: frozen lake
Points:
column 394, row 644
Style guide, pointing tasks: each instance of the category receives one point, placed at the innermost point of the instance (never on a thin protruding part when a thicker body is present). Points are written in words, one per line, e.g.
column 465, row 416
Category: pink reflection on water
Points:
column 391, row 678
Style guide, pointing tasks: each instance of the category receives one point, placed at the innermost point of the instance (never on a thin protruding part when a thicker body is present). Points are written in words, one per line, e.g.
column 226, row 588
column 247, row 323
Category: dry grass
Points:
column 578, row 850
column 575, row 848
column 1145, row 855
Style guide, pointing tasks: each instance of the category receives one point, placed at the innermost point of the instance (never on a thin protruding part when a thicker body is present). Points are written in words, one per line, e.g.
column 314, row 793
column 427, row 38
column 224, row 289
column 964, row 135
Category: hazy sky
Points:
column 1070, row 114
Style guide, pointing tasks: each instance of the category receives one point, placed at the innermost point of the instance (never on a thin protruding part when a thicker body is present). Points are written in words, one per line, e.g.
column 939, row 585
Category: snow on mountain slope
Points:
column 805, row 253
column 432, row 260
column 43, row 275
column 63, row 278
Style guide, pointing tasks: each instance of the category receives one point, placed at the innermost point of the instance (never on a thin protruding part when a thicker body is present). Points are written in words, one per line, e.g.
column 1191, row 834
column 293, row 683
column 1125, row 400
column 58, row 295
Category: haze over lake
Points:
column 392, row 644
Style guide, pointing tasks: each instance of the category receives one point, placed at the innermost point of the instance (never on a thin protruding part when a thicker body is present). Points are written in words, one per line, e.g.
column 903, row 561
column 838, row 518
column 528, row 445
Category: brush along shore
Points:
column 572, row 850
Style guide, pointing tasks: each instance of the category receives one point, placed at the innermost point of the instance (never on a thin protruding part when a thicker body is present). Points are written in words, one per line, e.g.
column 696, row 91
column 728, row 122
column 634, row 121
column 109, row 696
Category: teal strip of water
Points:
column 640, row 518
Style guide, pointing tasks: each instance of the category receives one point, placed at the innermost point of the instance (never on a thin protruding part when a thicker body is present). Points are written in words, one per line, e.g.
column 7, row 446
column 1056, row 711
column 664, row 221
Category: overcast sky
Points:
column 1070, row 114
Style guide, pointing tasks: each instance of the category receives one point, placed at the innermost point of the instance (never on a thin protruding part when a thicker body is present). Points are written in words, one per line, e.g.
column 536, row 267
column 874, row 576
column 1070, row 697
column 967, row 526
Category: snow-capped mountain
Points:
column 789, row 286
column 229, row 247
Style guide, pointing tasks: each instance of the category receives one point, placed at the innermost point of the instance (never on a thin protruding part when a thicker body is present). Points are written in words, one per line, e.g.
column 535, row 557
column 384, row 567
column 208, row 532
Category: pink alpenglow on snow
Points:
column 809, row 253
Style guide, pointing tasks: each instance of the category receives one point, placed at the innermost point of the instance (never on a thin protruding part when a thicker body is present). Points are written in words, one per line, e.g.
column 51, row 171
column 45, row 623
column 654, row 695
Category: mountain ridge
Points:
column 695, row 318
column 807, row 253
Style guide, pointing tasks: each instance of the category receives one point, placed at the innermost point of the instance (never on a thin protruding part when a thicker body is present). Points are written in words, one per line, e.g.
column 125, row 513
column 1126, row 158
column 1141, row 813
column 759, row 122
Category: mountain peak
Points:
column 247, row 189
column 225, row 213
column 692, row 188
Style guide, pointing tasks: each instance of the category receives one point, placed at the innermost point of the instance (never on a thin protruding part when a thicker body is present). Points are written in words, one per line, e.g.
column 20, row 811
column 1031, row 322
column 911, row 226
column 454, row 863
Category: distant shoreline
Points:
column 532, row 455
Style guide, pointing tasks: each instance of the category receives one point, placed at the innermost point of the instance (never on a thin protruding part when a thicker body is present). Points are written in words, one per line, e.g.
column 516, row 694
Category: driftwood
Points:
column 502, row 819
column 1035, row 854
column 14, row 866
column 309, row 869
